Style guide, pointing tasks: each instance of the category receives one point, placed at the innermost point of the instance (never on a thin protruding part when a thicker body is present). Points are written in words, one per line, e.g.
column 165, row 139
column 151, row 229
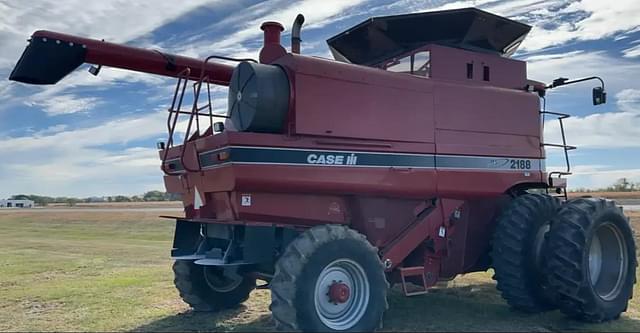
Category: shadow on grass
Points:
column 467, row 308
column 191, row 321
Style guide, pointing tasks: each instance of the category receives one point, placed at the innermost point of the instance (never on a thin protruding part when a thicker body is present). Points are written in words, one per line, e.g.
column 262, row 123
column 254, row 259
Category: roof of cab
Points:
column 384, row 37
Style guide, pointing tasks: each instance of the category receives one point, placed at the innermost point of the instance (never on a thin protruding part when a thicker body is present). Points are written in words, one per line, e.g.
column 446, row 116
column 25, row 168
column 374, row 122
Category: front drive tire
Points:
column 205, row 288
column 592, row 259
column 329, row 278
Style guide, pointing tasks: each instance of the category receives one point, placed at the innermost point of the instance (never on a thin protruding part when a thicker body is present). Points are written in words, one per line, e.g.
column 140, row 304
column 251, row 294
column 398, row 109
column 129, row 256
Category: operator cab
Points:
column 460, row 44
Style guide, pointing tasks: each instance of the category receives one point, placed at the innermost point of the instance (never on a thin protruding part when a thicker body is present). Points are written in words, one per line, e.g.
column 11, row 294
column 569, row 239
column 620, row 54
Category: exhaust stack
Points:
column 295, row 34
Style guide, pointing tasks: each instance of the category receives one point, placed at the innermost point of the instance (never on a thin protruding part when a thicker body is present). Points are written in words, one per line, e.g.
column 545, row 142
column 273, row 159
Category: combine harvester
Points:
column 414, row 156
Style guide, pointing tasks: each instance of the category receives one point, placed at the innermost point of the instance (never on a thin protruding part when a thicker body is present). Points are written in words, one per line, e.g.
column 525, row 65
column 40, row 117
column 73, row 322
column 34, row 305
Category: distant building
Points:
column 96, row 199
column 13, row 203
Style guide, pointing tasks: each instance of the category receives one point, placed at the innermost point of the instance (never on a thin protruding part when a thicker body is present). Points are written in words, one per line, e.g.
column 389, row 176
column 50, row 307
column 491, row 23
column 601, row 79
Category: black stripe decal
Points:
column 312, row 157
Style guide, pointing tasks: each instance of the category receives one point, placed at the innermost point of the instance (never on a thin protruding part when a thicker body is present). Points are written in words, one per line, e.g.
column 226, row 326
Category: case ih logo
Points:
column 332, row 159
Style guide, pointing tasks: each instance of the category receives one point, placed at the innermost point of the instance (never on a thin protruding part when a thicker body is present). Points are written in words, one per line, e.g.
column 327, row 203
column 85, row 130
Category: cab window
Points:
column 416, row 64
column 422, row 64
column 402, row 65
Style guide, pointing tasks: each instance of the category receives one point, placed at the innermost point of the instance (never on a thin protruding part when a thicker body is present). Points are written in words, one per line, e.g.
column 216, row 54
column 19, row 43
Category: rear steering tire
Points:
column 206, row 288
column 591, row 259
column 329, row 278
column 517, row 249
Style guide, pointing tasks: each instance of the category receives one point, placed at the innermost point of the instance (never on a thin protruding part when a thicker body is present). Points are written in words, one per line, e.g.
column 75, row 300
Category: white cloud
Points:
column 628, row 100
column 581, row 21
column 551, row 56
column 52, row 130
column 631, row 52
column 83, row 161
column 318, row 13
column 66, row 104
column 76, row 162
column 608, row 130
column 83, row 172
column 113, row 20
column 6, row 91
column 558, row 22
column 614, row 71
column 119, row 131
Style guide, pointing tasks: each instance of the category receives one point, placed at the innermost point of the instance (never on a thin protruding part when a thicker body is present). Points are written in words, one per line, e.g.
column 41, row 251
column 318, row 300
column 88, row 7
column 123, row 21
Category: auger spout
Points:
column 50, row 56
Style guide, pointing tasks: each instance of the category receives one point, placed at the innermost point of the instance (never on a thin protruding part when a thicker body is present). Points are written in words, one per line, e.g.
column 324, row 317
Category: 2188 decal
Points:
column 520, row 164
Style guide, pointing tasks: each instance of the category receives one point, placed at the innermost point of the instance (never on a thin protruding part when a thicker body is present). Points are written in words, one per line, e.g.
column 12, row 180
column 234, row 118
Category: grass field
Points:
column 110, row 271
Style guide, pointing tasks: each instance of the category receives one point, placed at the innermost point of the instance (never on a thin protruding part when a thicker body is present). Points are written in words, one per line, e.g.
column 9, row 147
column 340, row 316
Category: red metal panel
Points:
column 173, row 184
column 410, row 183
column 372, row 103
column 381, row 219
column 451, row 64
column 486, row 109
column 223, row 206
column 404, row 245
column 228, row 138
column 289, row 208
column 364, row 111
column 487, row 144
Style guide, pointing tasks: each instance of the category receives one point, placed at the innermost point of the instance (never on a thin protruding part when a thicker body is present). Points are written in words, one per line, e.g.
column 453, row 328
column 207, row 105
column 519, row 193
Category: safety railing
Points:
column 194, row 113
column 565, row 147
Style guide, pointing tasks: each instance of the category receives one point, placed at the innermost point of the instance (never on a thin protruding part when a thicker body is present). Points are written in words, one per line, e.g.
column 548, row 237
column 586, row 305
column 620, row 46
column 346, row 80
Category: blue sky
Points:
column 96, row 135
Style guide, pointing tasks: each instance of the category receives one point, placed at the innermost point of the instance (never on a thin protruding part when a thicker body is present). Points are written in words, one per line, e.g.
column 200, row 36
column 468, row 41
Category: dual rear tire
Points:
column 578, row 257
column 591, row 260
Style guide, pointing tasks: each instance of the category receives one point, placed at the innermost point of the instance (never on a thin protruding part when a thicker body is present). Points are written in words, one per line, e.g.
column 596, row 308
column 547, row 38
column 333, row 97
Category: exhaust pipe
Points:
column 50, row 56
column 295, row 34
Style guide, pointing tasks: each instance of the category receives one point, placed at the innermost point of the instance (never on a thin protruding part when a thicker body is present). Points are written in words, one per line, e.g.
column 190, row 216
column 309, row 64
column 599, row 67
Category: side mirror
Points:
column 599, row 96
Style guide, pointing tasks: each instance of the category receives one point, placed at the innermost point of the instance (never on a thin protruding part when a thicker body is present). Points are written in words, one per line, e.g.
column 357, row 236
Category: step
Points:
column 413, row 271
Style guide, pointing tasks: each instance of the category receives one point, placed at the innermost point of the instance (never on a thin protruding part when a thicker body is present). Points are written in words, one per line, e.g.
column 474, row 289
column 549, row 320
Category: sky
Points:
column 96, row 135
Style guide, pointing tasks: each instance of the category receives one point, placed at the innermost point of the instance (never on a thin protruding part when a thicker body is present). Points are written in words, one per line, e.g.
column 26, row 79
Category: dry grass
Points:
column 88, row 271
column 610, row 195
column 142, row 204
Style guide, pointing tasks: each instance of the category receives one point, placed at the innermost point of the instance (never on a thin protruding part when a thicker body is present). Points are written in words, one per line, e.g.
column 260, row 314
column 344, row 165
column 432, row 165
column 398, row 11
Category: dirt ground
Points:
column 97, row 271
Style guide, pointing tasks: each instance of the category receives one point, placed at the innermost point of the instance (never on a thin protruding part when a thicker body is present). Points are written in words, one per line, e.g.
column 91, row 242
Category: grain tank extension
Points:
column 414, row 156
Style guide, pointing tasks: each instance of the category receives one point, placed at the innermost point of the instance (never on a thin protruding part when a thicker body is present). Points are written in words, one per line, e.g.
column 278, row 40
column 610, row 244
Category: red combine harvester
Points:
column 414, row 156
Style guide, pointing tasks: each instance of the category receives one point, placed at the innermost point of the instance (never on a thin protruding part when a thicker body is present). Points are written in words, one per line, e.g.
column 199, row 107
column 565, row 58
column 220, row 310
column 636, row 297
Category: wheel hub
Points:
column 339, row 293
column 220, row 280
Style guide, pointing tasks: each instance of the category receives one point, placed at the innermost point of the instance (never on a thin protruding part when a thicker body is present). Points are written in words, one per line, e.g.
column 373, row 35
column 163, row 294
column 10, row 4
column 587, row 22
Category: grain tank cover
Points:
column 384, row 37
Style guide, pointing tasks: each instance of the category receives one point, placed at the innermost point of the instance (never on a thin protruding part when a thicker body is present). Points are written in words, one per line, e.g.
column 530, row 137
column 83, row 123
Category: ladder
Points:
column 196, row 111
column 194, row 114
column 555, row 177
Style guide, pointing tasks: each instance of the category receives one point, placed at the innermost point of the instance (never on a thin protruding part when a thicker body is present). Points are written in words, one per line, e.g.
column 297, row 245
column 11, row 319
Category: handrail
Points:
column 183, row 78
column 195, row 111
column 566, row 148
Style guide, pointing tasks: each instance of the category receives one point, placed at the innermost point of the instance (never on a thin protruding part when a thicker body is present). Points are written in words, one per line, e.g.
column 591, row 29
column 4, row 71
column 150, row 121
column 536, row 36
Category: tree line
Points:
column 42, row 200
column 621, row 185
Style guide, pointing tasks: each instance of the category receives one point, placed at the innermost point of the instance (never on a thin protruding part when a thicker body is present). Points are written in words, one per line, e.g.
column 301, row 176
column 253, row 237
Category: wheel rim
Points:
column 538, row 246
column 608, row 261
column 343, row 276
column 220, row 280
